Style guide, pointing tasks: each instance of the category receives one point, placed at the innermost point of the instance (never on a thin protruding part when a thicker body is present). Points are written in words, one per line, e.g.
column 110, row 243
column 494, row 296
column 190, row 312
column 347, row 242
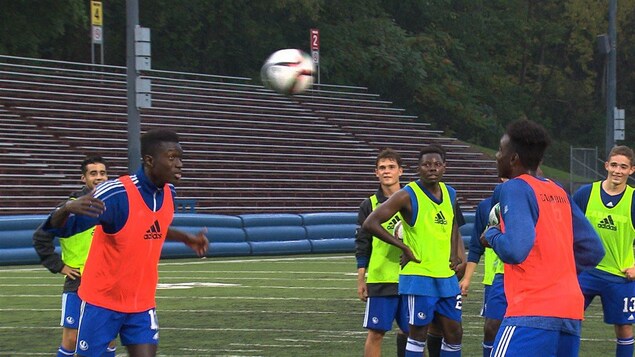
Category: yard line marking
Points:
column 289, row 259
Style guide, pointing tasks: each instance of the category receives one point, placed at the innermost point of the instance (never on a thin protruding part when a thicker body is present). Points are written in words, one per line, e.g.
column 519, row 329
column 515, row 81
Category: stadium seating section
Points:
column 242, row 235
column 248, row 150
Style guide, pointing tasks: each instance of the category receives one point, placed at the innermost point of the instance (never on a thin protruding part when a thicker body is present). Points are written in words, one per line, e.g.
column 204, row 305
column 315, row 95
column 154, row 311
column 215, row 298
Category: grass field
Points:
column 257, row 306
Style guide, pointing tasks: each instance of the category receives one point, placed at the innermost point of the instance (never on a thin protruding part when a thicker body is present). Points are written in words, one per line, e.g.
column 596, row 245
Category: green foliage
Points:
column 34, row 28
column 467, row 66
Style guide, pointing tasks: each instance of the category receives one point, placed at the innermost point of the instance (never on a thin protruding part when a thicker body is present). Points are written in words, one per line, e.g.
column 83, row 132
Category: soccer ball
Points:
column 398, row 231
column 494, row 215
column 288, row 71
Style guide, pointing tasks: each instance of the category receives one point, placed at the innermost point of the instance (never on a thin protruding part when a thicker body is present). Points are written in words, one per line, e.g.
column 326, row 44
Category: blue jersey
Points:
column 519, row 205
column 113, row 194
column 481, row 219
column 581, row 198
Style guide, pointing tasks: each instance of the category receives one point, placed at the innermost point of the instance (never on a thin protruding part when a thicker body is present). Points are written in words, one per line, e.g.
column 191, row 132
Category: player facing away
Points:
column 430, row 252
column 133, row 215
column 544, row 240
column 378, row 263
column 71, row 262
column 608, row 204
column 494, row 301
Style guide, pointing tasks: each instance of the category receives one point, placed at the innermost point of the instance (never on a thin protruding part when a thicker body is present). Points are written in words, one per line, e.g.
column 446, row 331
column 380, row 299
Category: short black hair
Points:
column 433, row 149
column 93, row 159
column 152, row 140
column 529, row 140
column 389, row 154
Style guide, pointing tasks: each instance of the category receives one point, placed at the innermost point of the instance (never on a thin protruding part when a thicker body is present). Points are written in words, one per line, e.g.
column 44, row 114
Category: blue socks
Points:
column 415, row 348
column 110, row 351
column 624, row 347
column 62, row 352
column 487, row 348
column 448, row 350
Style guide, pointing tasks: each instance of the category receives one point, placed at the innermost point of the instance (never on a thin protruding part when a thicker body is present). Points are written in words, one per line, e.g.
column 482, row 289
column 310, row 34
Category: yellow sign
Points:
column 96, row 14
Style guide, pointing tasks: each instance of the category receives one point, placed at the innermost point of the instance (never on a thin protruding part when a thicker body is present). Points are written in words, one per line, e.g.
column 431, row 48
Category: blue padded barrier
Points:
column 225, row 234
column 249, row 234
column 331, row 232
column 16, row 244
column 466, row 229
column 275, row 233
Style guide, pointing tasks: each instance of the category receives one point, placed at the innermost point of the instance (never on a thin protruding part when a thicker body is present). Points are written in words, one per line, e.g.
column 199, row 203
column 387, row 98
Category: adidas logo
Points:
column 154, row 232
column 631, row 318
column 440, row 218
column 607, row 223
column 392, row 223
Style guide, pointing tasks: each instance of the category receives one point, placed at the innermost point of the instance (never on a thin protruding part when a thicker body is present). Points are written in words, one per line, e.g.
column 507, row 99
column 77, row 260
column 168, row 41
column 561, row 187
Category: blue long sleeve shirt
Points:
column 481, row 219
column 114, row 196
column 519, row 210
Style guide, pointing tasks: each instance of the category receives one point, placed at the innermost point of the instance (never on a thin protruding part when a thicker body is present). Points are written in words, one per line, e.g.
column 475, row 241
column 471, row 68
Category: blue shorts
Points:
column 71, row 306
column 618, row 298
column 98, row 326
column 421, row 309
column 381, row 311
column 520, row 341
column 494, row 300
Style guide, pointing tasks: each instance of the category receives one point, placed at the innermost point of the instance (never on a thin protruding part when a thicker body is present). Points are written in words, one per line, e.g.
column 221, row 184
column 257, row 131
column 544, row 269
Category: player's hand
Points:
column 71, row 273
column 407, row 256
column 459, row 269
column 484, row 241
column 362, row 290
column 86, row 205
column 455, row 262
column 629, row 273
column 464, row 284
column 198, row 242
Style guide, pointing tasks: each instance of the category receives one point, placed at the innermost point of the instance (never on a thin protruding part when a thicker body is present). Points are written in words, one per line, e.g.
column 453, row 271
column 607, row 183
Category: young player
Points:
column 431, row 251
column 378, row 263
column 544, row 240
column 608, row 204
column 494, row 302
column 133, row 214
column 71, row 263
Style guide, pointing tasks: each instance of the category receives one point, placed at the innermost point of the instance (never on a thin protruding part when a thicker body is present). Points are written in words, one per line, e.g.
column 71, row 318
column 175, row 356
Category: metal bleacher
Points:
column 247, row 149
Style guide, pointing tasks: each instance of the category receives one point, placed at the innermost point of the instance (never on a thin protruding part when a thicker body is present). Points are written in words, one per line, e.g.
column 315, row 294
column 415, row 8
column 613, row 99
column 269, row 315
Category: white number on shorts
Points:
column 154, row 324
column 629, row 304
column 459, row 302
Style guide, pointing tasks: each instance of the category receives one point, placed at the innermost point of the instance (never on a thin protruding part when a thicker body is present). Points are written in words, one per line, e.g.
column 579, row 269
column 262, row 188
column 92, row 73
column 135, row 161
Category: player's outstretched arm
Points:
column 198, row 242
column 86, row 205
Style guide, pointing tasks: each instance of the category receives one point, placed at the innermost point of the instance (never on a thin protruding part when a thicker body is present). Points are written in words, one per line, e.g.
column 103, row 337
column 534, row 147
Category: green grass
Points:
column 257, row 306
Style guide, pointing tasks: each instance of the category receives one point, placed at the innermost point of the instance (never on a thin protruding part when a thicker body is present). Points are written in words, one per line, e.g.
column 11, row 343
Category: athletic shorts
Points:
column 71, row 306
column 618, row 299
column 381, row 311
column 495, row 302
column 520, row 341
column 98, row 326
column 421, row 309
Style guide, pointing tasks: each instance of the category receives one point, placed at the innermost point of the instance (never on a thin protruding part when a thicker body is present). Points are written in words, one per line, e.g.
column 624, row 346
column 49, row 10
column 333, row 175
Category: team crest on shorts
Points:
column 421, row 315
column 83, row 345
column 70, row 319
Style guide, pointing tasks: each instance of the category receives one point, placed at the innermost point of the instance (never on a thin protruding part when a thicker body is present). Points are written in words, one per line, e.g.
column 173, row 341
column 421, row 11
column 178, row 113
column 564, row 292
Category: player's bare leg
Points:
column 372, row 348
column 147, row 350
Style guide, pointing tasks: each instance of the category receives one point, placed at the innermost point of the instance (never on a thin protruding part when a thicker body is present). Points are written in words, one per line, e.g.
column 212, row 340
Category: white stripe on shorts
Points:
column 506, row 336
column 64, row 296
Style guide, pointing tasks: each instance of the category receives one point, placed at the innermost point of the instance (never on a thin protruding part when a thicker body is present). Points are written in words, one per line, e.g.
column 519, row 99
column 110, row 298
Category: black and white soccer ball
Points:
column 288, row 71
